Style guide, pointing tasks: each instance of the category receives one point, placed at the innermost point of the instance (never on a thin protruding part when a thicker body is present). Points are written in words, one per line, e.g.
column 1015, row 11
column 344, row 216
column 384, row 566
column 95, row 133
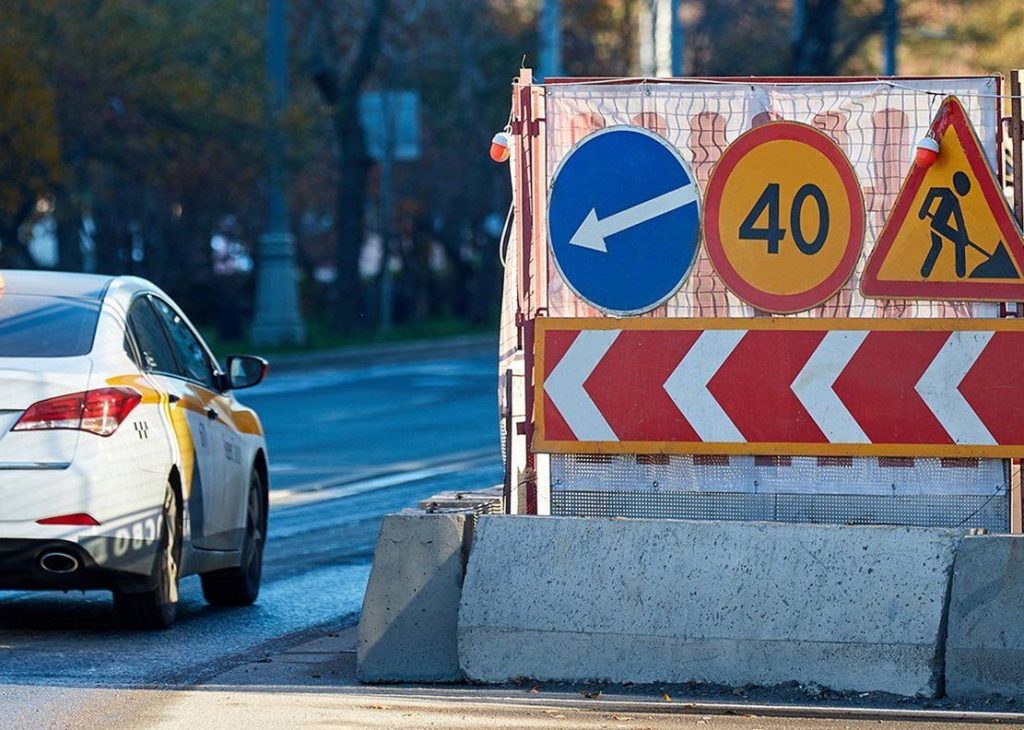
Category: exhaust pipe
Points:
column 58, row 562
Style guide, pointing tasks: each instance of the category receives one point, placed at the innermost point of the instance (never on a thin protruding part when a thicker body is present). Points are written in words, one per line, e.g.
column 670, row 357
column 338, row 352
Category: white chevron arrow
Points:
column 687, row 386
column 564, row 386
column 939, row 388
column 593, row 230
column 813, row 386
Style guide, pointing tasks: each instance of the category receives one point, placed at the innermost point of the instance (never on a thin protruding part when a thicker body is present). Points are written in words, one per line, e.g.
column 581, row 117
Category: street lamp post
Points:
column 277, row 319
column 678, row 44
column 891, row 23
column 550, row 38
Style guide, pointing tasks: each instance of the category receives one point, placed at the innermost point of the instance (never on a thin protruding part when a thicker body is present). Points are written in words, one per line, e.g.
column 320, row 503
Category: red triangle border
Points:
column 950, row 113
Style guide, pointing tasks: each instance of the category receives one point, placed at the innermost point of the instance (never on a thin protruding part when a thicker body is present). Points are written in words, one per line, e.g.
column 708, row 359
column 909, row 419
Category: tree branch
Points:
column 369, row 46
column 320, row 61
column 856, row 39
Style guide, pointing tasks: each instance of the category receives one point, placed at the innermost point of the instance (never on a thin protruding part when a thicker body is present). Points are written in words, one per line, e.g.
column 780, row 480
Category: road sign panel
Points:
column 784, row 217
column 624, row 219
column 852, row 387
column 950, row 234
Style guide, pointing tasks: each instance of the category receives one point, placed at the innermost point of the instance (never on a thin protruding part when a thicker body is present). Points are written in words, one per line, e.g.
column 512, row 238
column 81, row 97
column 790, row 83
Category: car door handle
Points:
column 212, row 414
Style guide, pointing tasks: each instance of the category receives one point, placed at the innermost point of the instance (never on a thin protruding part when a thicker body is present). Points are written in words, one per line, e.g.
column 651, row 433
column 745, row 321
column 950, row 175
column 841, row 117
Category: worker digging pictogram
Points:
column 948, row 226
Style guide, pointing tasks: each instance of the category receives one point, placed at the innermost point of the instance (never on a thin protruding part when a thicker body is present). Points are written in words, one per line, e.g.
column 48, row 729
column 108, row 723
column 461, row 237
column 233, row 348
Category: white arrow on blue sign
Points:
column 624, row 219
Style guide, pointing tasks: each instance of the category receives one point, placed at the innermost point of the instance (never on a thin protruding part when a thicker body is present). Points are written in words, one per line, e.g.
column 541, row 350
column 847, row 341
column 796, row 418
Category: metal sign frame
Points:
column 530, row 127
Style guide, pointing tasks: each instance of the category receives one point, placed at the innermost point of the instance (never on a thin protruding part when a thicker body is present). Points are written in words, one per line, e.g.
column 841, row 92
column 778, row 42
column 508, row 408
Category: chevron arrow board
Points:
column 856, row 387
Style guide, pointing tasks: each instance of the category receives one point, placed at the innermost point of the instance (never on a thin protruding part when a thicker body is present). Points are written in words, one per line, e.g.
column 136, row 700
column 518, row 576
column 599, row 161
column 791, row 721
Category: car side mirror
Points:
column 245, row 371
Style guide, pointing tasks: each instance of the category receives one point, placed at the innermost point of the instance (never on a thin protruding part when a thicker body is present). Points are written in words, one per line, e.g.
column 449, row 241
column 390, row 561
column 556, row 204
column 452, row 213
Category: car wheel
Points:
column 240, row 586
column 157, row 607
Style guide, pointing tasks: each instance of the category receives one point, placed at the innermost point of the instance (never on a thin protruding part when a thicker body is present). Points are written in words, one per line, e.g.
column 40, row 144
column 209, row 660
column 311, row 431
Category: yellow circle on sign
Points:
column 784, row 218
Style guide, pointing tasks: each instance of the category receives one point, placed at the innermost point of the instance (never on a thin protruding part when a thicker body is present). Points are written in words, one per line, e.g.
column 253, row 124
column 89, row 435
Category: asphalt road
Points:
column 346, row 447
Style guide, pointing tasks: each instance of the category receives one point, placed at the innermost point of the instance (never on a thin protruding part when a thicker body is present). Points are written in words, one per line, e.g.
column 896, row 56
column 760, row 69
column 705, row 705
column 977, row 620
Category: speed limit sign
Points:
column 784, row 217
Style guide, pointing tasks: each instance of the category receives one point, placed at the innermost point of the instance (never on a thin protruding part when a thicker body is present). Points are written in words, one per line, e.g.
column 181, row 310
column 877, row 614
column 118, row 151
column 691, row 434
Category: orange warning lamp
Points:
column 927, row 152
column 501, row 147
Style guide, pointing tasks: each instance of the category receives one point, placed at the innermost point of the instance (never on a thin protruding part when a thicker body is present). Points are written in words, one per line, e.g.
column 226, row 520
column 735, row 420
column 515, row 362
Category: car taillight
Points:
column 78, row 518
column 96, row 411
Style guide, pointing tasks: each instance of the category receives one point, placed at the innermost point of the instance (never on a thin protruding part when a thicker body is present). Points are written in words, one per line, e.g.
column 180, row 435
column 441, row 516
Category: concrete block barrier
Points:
column 851, row 608
column 985, row 642
column 407, row 631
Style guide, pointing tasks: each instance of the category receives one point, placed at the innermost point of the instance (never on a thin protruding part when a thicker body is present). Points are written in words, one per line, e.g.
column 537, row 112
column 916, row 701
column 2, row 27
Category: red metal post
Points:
column 1016, row 140
column 526, row 129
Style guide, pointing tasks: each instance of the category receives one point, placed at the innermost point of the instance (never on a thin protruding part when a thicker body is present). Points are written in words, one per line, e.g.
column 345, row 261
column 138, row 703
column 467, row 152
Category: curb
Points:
column 392, row 352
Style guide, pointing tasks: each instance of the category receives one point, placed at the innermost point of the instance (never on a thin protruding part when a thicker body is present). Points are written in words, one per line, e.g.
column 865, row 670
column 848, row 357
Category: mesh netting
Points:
column 878, row 476
column 955, row 511
column 877, row 125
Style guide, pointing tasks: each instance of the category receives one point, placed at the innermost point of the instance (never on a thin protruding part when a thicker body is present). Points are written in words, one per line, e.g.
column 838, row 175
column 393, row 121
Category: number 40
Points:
column 772, row 234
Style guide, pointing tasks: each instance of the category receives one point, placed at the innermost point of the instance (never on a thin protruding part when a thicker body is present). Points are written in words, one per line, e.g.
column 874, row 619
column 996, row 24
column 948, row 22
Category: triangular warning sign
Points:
column 950, row 234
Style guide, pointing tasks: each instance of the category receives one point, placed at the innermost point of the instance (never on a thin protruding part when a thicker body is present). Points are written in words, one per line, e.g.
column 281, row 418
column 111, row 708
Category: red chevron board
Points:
column 856, row 387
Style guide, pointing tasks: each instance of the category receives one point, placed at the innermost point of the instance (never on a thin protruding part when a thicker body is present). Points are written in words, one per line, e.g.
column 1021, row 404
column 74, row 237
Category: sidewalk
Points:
column 388, row 352
column 313, row 684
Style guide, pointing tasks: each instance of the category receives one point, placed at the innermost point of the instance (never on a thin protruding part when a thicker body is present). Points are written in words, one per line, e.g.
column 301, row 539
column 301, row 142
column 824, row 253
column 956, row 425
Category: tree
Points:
column 962, row 36
column 816, row 28
column 30, row 148
column 339, row 77
column 143, row 118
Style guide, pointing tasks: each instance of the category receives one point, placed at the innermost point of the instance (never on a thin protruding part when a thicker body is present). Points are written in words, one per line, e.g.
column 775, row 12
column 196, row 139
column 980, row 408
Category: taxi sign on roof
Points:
column 950, row 234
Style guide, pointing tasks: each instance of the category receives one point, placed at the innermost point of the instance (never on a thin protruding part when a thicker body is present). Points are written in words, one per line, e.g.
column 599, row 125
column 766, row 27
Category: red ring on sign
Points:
column 819, row 141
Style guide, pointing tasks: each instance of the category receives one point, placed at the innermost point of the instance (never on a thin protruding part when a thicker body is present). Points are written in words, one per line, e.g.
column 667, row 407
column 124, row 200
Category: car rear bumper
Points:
column 110, row 488
column 22, row 569
column 105, row 554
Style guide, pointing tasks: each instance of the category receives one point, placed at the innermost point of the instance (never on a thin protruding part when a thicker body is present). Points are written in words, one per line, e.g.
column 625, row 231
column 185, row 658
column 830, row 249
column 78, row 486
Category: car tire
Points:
column 157, row 607
column 241, row 585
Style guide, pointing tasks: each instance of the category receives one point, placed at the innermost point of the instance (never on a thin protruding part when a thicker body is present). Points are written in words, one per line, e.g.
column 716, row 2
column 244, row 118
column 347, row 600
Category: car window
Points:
column 154, row 349
column 45, row 326
column 195, row 364
column 129, row 348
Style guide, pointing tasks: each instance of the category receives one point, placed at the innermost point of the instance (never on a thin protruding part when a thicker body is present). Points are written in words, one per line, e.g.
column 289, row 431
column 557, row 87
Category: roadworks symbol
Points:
column 942, row 207
column 950, row 234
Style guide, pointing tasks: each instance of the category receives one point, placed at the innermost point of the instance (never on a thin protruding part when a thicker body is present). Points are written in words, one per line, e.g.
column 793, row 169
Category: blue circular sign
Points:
column 624, row 219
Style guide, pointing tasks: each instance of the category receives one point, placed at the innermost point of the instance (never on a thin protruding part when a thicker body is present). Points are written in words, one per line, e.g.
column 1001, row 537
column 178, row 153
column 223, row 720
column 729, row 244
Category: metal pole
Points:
column 796, row 33
column 648, row 45
column 386, row 212
column 1017, row 159
column 277, row 319
column 892, row 35
column 678, row 39
column 550, row 38
column 1016, row 148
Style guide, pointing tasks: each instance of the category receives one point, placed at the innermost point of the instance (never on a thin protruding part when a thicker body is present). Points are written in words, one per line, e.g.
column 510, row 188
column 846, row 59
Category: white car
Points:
column 125, row 460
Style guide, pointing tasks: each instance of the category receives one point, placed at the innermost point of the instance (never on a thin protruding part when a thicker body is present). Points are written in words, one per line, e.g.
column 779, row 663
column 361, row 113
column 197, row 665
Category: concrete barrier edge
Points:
column 423, row 593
